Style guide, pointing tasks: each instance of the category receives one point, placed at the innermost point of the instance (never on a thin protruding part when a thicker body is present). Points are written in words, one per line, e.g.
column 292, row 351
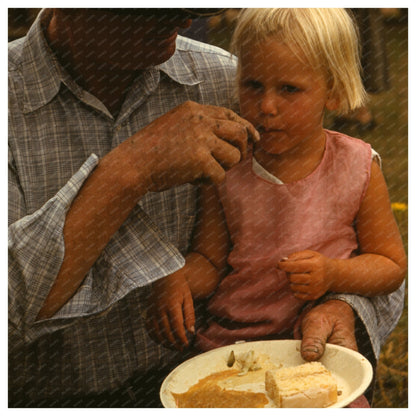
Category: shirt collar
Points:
column 43, row 77
column 40, row 76
column 179, row 68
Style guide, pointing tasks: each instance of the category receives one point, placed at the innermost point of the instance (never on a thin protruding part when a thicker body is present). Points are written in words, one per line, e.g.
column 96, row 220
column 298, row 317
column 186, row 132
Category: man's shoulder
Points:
column 209, row 70
column 187, row 44
column 15, row 53
column 204, row 52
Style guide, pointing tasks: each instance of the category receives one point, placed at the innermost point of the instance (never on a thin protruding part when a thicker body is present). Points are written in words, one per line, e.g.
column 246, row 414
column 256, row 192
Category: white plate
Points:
column 352, row 371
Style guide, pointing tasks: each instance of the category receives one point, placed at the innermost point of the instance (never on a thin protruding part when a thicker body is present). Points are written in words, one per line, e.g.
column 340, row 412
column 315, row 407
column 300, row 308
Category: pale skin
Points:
column 378, row 270
column 286, row 104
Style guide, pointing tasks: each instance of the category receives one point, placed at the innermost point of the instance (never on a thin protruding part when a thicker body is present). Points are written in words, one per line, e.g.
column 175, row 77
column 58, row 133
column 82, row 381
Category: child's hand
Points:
column 309, row 274
column 171, row 311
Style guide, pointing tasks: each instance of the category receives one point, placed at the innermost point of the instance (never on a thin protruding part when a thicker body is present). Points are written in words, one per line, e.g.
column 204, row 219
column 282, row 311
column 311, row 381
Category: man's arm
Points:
column 190, row 143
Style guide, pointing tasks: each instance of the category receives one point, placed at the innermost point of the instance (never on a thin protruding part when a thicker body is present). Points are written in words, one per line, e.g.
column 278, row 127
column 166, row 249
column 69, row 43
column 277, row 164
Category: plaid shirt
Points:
column 57, row 134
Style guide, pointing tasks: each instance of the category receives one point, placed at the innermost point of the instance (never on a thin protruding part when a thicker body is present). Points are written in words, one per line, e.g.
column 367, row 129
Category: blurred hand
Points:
column 332, row 322
column 171, row 313
column 309, row 273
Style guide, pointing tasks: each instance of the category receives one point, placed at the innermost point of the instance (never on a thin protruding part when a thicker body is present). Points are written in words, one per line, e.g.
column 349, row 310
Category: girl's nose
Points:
column 269, row 104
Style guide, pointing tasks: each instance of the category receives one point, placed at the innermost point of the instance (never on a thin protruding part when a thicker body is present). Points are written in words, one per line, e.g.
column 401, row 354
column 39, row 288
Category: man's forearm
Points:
column 179, row 147
column 101, row 207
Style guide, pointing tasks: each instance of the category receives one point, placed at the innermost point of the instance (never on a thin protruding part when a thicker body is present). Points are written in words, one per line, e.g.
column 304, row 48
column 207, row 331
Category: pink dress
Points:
column 268, row 221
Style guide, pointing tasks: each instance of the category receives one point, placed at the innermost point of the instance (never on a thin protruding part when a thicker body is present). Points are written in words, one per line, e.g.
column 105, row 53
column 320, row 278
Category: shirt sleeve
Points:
column 379, row 314
column 137, row 255
column 36, row 246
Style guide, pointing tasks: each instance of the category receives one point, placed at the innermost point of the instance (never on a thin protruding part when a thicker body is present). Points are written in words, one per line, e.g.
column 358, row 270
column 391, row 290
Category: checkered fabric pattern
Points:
column 57, row 134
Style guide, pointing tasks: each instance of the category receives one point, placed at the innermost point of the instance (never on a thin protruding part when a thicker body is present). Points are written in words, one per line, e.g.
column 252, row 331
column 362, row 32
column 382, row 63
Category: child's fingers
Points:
column 301, row 265
column 189, row 314
column 299, row 288
column 299, row 285
column 302, row 293
column 303, row 296
column 166, row 329
column 301, row 279
column 154, row 330
column 300, row 255
column 300, row 261
column 178, row 329
column 158, row 334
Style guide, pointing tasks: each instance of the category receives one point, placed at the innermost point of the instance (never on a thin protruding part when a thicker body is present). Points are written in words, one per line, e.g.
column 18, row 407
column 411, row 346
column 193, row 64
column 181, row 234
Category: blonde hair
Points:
column 327, row 39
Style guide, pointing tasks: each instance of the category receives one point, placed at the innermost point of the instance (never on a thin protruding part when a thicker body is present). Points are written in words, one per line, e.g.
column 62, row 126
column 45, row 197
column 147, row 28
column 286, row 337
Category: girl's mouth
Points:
column 263, row 129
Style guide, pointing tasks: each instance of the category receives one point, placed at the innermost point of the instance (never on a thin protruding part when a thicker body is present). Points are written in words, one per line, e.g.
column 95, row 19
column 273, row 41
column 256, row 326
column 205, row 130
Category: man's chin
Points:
column 142, row 63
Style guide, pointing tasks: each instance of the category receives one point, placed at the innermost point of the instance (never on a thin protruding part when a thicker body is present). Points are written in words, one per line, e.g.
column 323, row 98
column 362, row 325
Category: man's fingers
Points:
column 212, row 170
column 226, row 114
column 253, row 134
column 225, row 153
column 333, row 322
column 312, row 349
column 234, row 133
column 343, row 333
column 315, row 333
column 344, row 340
column 214, row 158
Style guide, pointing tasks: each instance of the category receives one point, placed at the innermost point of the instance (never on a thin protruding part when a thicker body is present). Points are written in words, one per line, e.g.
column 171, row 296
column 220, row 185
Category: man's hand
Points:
column 333, row 322
column 171, row 312
column 189, row 143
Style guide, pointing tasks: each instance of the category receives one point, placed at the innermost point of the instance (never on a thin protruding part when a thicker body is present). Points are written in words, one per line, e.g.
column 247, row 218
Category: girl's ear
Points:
column 332, row 103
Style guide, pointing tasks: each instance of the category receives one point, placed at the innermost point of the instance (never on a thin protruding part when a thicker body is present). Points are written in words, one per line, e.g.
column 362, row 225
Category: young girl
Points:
column 307, row 212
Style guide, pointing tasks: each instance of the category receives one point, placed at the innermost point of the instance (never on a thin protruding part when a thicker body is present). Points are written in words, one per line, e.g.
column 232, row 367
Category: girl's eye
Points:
column 253, row 84
column 291, row 89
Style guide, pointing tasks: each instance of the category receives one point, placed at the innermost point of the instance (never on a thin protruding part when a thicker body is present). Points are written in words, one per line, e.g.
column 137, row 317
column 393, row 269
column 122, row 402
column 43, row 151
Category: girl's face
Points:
column 282, row 97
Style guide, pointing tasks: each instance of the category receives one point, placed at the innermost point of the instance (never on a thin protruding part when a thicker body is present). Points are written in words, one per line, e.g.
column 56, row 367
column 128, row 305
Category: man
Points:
column 106, row 144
